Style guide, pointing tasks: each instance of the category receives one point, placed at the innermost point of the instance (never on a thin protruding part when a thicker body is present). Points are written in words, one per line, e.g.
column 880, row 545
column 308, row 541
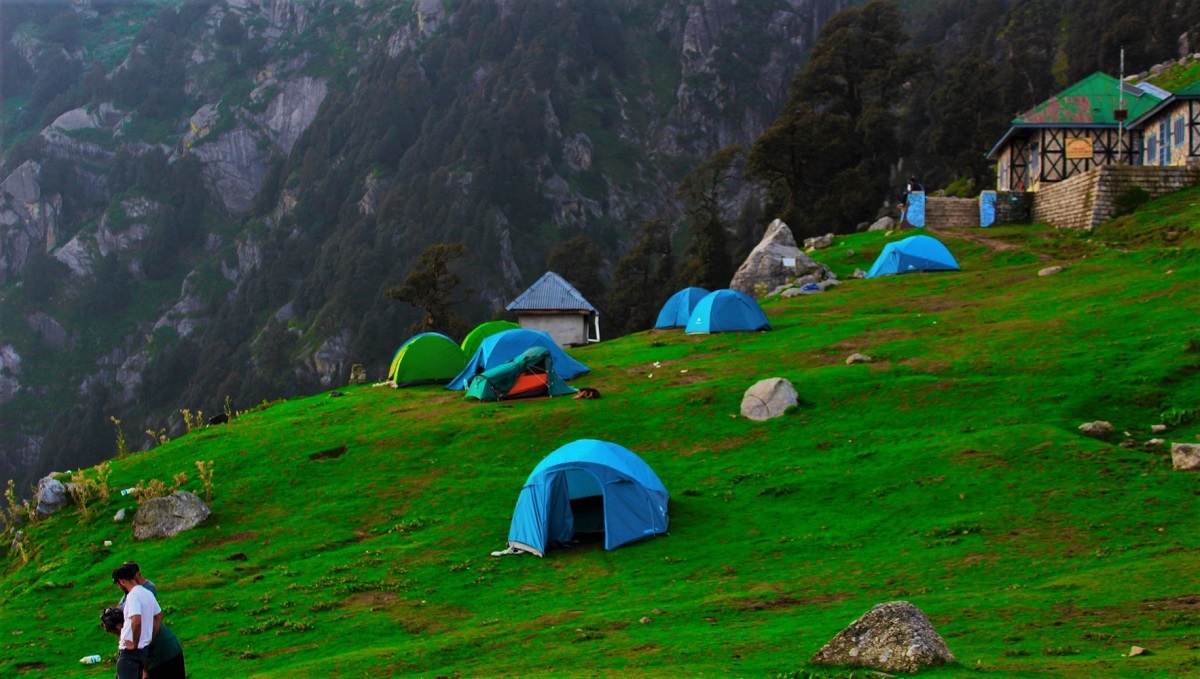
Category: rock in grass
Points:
column 165, row 517
column 858, row 358
column 52, row 495
column 1050, row 271
column 1137, row 650
column 883, row 224
column 119, row 516
column 769, row 398
column 892, row 637
column 1185, row 456
column 1157, row 428
column 1097, row 430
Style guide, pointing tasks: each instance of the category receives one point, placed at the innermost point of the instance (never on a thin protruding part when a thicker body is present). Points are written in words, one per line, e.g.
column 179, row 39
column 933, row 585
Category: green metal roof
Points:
column 1190, row 90
column 1090, row 101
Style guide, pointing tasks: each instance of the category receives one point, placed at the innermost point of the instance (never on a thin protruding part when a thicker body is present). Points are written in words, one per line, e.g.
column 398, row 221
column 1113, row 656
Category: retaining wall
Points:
column 1087, row 199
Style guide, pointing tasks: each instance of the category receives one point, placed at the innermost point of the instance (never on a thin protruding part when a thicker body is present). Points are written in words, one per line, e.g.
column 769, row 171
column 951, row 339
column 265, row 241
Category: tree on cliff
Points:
column 826, row 160
column 431, row 287
column 642, row 281
column 703, row 191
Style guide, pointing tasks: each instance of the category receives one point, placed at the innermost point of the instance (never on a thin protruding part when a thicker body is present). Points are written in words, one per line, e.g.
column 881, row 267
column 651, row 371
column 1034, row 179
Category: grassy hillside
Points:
column 948, row 473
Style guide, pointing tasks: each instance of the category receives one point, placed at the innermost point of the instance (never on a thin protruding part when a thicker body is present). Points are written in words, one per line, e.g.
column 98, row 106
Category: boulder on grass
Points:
column 1097, row 430
column 52, row 495
column 775, row 261
column 892, row 637
column 1185, row 456
column 165, row 517
column 768, row 398
column 883, row 224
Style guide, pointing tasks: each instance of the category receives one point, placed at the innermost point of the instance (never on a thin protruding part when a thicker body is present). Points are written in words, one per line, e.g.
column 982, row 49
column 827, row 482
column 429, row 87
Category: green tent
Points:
column 529, row 374
column 471, row 342
column 427, row 358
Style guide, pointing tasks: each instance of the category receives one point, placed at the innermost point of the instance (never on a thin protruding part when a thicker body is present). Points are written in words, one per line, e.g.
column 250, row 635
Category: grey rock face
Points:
column 883, row 224
column 50, row 331
column 768, row 398
column 166, row 517
column 1097, row 430
column 10, row 371
column 775, row 261
column 891, row 637
column 234, row 167
column 29, row 221
column 1185, row 456
column 52, row 495
column 291, row 111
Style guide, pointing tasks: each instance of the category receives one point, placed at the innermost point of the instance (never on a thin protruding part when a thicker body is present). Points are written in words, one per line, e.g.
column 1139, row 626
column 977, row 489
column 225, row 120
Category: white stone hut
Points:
column 555, row 307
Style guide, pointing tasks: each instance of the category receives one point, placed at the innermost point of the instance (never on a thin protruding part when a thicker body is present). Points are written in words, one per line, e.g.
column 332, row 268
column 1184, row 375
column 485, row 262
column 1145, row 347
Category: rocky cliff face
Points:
column 331, row 142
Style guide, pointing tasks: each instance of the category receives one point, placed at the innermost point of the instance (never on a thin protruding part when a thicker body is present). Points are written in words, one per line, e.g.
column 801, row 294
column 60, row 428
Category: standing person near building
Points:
column 142, row 614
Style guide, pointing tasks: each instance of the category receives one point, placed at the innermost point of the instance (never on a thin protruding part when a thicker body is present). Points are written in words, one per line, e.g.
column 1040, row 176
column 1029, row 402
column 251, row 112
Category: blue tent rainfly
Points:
column 677, row 310
column 916, row 253
column 589, row 486
column 505, row 346
column 727, row 311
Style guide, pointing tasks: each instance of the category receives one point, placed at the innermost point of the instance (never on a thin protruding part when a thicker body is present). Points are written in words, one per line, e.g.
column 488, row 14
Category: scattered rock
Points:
column 858, row 273
column 892, row 637
column 165, row 517
column 358, row 374
column 644, row 620
column 1097, row 430
column 1157, row 428
column 858, row 358
column 818, row 242
column 1156, row 442
column 769, row 398
column 883, row 224
column 1185, row 456
column 1137, row 650
column 1128, row 443
column 119, row 516
column 52, row 495
column 658, row 611
column 237, row 556
column 219, row 418
column 1050, row 271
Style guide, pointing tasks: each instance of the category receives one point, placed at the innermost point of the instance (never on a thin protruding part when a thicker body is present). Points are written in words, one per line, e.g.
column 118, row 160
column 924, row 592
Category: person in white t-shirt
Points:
column 141, row 611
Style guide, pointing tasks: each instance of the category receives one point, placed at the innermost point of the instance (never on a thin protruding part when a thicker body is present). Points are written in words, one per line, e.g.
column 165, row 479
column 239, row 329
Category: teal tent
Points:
column 677, row 310
column 915, row 253
column 528, row 375
column 427, row 358
column 471, row 342
column 505, row 346
column 589, row 486
column 727, row 311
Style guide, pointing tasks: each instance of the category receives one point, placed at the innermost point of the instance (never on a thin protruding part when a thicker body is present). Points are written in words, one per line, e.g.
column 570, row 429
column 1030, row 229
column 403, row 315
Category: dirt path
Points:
column 974, row 235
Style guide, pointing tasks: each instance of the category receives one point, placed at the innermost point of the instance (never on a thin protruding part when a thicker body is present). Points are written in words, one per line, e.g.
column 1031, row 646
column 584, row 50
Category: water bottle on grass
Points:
column 90, row 659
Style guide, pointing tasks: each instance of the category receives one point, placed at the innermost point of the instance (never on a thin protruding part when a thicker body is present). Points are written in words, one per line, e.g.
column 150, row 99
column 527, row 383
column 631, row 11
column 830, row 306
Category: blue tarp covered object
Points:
column 677, row 310
column 916, row 253
column 727, row 311
column 634, row 499
column 505, row 346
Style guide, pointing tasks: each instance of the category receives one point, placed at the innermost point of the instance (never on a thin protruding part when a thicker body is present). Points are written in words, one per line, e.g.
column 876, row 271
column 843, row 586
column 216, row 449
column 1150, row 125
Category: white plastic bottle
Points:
column 90, row 659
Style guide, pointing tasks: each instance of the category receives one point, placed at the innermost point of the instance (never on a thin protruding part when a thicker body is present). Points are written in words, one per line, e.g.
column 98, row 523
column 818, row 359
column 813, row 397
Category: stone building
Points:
column 555, row 307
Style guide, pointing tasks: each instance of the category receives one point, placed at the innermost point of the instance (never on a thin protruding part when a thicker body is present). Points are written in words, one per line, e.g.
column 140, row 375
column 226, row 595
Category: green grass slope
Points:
column 949, row 473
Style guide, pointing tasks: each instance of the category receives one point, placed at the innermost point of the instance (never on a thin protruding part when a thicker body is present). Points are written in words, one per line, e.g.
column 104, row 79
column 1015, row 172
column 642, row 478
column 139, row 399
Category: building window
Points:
column 1179, row 131
column 1033, row 163
column 1151, row 150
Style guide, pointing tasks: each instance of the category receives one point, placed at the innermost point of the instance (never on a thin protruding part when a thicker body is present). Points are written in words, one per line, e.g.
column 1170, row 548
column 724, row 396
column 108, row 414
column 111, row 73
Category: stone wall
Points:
column 1087, row 199
column 943, row 213
column 1013, row 207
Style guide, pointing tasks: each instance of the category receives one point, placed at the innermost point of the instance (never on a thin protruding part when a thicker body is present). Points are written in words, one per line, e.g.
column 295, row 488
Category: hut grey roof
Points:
column 551, row 293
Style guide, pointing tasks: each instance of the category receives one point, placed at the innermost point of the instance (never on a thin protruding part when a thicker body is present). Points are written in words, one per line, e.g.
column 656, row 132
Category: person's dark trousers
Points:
column 171, row 669
column 130, row 663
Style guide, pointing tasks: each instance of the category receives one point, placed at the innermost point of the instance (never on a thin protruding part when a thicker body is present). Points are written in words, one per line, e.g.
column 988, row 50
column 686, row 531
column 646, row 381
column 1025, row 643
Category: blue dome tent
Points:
column 727, row 311
column 589, row 486
column 677, row 310
column 915, row 253
column 505, row 346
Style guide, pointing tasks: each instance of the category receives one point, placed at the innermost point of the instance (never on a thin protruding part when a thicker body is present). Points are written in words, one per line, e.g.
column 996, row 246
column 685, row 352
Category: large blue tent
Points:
column 915, row 253
column 677, row 310
column 727, row 311
column 571, row 480
column 505, row 346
